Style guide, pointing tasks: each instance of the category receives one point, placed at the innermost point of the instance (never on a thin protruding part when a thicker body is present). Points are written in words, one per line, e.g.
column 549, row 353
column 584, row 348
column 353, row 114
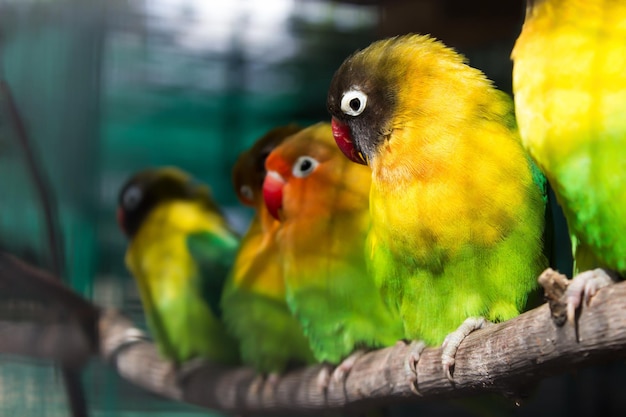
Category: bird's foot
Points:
column 453, row 340
column 343, row 369
column 327, row 375
column 416, row 347
column 584, row 286
column 264, row 382
column 271, row 381
column 256, row 386
column 322, row 381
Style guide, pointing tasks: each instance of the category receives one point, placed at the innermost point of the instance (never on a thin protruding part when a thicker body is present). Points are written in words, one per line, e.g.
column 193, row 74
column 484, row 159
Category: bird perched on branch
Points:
column 569, row 79
column 254, row 305
column 321, row 200
column 180, row 251
column 457, row 206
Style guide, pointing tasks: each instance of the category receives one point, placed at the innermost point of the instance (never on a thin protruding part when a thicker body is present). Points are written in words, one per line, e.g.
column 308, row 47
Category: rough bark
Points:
column 507, row 358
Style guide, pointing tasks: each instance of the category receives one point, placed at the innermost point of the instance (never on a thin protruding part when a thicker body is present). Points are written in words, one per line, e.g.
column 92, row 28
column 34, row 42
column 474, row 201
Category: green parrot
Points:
column 569, row 79
column 320, row 199
column 457, row 206
column 180, row 251
column 253, row 302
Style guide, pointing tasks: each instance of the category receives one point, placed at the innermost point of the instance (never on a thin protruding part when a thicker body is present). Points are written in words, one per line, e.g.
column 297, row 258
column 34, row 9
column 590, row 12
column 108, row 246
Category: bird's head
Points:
column 147, row 189
column 298, row 168
column 394, row 84
column 249, row 170
column 361, row 100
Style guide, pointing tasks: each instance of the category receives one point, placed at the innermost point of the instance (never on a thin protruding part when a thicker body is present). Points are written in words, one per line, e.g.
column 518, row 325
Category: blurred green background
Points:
column 110, row 87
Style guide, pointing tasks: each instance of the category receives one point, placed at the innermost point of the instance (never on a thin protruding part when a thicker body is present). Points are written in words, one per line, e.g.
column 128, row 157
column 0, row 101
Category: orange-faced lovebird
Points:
column 321, row 200
column 180, row 251
column 253, row 302
column 569, row 80
column 457, row 206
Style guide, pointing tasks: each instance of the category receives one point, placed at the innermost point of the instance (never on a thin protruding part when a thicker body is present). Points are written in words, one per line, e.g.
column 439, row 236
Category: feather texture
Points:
column 324, row 221
column 255, row 309
column 570, row 91
column 457, row 207
column 179, row 254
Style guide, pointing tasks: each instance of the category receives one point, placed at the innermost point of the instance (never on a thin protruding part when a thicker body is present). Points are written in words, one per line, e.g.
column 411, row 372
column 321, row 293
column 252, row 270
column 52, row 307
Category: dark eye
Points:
column 353, row 102
column 304, row 166
column 132, row 198
column 246, row 192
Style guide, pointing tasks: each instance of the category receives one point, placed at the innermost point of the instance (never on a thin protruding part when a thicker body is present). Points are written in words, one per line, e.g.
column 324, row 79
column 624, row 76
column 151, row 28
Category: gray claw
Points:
column 452, row 342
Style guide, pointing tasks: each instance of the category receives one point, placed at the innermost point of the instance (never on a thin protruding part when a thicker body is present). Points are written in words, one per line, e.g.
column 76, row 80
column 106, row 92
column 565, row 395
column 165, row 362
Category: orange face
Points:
column 308, row 175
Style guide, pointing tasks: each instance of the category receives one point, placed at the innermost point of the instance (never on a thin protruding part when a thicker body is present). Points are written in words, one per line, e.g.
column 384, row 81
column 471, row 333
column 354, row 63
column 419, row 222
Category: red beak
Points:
column 273, row 192
column 343, row 137
column 120, row 219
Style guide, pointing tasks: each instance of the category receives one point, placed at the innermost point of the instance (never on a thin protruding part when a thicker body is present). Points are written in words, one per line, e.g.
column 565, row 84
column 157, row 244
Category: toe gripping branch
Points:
column 416, row 348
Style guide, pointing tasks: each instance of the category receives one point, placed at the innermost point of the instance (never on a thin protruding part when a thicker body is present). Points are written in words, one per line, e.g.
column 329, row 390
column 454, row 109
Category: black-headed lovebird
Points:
column 180, row 251
column 457, row 206
column 569, row 79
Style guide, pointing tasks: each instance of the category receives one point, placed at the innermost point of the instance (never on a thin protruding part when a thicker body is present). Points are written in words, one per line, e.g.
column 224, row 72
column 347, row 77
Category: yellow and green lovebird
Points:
column 457, row 206
column 569, row 80
column 253, row 302
column 180, row 251
column 321, row 200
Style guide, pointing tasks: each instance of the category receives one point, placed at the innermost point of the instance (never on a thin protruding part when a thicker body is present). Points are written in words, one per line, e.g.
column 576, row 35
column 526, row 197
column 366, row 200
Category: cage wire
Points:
column 107, row 88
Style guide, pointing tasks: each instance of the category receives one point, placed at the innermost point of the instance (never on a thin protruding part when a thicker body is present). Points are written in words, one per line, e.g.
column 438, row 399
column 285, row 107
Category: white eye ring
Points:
column 304, row 166
column 246, row 192
column 132, row 198
column 353, row 102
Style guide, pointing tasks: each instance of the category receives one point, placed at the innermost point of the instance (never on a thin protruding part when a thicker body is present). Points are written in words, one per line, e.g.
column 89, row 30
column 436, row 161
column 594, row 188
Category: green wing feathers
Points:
column 339, row 307
column 214, row 256
column 271, row 339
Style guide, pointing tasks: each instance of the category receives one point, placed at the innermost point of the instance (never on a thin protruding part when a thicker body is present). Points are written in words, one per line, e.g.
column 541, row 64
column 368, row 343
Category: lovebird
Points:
column 321, row 200
column 569, row 79
column 253, row 302
column 180, row 252
column 457, row 206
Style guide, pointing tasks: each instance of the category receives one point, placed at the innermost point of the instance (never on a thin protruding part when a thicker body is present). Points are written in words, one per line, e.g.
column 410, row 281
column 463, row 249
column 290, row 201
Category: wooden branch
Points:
column 41, row 318
column 63, row 342
column 135, row 358
column 554, row 285
column 507, row 358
